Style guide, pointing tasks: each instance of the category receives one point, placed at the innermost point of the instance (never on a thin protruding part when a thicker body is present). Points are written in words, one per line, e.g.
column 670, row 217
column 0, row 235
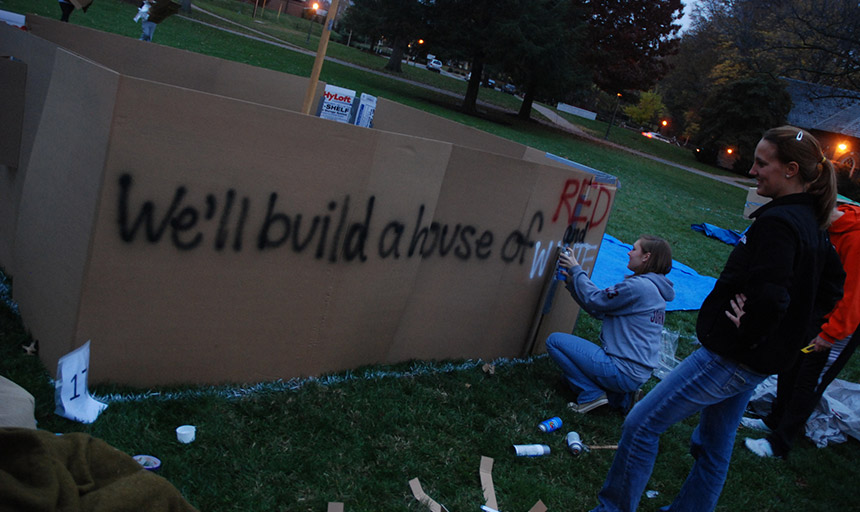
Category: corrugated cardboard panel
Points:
column 177, row 67
column 405, row 179
column 489, row 284
column 60, row 200
column 578, row 217
column 399, row 118
column 38, row 58
column 753, row 202
column 209, row 303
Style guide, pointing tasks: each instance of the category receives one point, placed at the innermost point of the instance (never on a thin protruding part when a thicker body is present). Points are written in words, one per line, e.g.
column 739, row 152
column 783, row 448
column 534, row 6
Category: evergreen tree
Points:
column 471, row 30
column 400, row 21
column 539, row 50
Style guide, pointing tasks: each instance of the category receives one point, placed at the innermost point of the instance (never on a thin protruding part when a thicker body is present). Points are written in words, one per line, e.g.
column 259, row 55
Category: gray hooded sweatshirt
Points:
column 633, row 312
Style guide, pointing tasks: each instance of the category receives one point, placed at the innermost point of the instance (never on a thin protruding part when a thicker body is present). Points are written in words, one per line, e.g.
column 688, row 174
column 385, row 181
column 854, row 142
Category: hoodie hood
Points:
column 849, row 221
column 664, row 286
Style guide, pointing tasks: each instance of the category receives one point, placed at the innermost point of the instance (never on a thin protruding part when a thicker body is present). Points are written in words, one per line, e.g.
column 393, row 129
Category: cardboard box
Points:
column 753, row 202
column 188, row 248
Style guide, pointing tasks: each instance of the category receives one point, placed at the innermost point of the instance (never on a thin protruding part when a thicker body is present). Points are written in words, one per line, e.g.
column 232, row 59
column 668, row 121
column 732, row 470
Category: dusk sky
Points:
column 688, row 11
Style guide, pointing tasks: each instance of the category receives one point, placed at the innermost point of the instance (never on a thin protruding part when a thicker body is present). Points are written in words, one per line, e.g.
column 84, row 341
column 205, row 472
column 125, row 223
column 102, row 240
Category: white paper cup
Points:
column 148, row 462
column 185, row 433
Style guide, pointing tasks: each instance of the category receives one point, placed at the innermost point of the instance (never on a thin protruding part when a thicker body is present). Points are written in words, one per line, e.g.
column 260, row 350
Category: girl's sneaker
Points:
column 760, row 447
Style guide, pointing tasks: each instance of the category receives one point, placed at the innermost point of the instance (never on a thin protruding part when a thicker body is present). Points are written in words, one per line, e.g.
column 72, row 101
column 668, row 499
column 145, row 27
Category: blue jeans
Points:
column 589, row 371
column 705, row 382
column 148, row 28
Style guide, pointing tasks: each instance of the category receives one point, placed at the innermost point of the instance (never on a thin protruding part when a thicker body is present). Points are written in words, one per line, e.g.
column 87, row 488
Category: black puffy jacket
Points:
column 791, row 276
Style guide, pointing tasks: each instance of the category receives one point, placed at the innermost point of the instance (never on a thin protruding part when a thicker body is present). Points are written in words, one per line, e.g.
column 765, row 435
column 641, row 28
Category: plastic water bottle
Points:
column 550, row 424
column 574, row 443
column 531, row 450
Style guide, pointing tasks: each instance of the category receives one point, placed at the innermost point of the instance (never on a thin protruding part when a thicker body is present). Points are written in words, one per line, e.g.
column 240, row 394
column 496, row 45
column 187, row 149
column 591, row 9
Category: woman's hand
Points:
column 567, row 259
column 820, row 344
column 737, row 310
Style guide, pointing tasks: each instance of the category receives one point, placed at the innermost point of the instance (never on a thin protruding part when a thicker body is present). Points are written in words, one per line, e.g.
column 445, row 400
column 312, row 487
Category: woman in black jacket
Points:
column 781, row 275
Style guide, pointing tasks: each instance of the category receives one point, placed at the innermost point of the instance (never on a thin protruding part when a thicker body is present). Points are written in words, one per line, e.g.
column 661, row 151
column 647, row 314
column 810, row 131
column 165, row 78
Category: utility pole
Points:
column 617, row 101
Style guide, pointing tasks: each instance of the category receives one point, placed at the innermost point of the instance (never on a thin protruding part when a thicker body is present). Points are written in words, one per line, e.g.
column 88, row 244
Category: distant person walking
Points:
column 782, row 274
column 68, row 6
column 147, row 27
column 151, row 13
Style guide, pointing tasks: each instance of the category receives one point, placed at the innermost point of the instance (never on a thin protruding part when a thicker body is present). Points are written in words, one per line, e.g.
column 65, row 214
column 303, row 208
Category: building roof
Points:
column 824, row 108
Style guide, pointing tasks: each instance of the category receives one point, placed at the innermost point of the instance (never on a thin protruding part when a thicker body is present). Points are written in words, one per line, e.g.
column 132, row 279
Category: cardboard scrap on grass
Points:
column 486, row 474
column 421, row 496
column 487, row 483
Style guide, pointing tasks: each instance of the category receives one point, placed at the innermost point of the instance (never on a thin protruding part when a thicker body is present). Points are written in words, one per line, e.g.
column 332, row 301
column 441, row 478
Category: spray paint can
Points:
column 574, row 443
column 558, row 268
column 550, row 424
column 531, row 450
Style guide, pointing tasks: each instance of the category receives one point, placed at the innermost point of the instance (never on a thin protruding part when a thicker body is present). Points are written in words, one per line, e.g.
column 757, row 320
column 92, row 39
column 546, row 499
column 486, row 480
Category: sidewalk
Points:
column 564, row 124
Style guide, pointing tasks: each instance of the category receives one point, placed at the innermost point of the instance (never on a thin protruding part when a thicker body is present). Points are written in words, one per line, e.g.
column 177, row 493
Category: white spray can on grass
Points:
column 531, row 450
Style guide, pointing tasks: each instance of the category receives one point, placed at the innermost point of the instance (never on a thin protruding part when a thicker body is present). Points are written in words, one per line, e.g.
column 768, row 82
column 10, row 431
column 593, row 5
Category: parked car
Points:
column 490, row 83
column 435, row 65
column 509, row 88
column 657, row 136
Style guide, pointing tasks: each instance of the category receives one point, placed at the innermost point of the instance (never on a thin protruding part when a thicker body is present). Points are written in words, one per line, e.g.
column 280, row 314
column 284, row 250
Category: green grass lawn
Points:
column 358, row 437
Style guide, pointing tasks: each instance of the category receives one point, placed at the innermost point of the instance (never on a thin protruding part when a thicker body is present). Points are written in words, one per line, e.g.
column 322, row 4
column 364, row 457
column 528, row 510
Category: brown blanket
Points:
column 40, row 471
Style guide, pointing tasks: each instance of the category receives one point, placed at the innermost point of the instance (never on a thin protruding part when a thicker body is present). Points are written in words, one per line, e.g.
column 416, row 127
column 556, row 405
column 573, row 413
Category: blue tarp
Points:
column 725, row 235
column 611, row 267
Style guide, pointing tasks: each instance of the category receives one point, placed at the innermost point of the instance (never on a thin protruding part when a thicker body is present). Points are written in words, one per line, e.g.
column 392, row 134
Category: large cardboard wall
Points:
column 156, row 222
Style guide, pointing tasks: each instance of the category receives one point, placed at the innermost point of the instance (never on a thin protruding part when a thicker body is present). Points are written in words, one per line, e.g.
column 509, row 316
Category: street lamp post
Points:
column 311, row 24
column 611, row 122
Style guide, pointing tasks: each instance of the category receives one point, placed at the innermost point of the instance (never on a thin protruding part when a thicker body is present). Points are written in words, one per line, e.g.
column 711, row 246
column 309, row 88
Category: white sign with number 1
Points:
column 71, row 393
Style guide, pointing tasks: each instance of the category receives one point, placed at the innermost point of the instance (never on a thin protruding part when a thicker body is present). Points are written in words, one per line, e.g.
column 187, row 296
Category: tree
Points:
column 363, row 17
column 629, row 41
column 705, row 60
column 814, row 41
column 544, row 45
column 737, row 114
column 539, row 49
column 470, row 30
column 646, row 111
column 398, row 20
